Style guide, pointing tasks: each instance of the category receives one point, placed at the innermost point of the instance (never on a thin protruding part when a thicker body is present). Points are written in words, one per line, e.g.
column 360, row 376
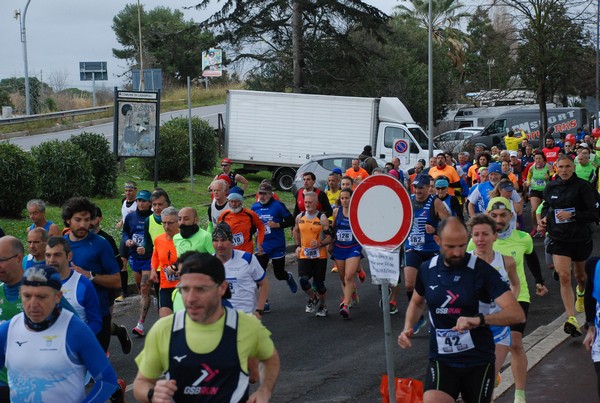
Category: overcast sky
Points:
column 62, row 33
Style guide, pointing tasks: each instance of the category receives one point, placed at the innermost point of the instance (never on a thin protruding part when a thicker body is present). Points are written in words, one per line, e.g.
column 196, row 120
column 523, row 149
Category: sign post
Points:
column 381, row 216
column 401, row 150
column 92, row 71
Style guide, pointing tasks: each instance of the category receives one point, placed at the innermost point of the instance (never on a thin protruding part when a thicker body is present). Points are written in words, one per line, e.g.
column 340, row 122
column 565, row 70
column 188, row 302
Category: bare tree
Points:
column 58, row 79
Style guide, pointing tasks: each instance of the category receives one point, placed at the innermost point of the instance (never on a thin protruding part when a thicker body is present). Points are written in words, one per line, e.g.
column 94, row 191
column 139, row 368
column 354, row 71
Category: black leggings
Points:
column 278, row 266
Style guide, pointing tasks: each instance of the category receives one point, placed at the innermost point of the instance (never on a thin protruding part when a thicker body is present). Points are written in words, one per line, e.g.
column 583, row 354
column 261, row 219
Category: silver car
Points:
column 453, row 140
column 322, row 165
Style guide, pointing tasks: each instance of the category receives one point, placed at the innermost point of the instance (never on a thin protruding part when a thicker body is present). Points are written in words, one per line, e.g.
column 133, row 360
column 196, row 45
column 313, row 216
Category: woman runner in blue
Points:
column 347, row 252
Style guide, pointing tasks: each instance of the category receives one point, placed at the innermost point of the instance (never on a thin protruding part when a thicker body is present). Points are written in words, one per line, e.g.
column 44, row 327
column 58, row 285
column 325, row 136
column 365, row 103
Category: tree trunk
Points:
column 298, row 46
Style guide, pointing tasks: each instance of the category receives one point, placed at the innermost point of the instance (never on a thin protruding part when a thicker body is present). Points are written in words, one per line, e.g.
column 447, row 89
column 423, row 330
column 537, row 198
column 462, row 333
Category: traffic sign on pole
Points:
column 381, row 216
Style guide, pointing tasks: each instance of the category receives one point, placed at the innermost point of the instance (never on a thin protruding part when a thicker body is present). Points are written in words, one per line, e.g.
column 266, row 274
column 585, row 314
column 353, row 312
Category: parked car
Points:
column 322, row 165
column 453, row 140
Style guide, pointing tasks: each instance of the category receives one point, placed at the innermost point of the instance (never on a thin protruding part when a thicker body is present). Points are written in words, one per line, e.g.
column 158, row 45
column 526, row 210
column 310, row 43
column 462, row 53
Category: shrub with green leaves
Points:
column 64, row 171
column 103, row 161
column 174, row 149
column 17, row 170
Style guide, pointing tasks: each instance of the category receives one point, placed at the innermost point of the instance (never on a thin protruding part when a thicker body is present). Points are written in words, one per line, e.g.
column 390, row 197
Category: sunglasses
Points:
column 442, row 188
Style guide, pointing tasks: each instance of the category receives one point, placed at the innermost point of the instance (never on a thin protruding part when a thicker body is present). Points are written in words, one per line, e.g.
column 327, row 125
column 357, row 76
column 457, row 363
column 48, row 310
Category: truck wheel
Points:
column 284, row 178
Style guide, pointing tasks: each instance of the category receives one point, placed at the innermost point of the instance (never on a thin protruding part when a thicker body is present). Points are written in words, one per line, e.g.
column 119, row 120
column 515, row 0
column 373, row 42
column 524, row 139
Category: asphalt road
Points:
column 332, row 360
column 208, row 113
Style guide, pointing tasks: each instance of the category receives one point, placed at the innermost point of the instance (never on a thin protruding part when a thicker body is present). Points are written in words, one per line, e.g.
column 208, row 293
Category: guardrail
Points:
column 54, row 115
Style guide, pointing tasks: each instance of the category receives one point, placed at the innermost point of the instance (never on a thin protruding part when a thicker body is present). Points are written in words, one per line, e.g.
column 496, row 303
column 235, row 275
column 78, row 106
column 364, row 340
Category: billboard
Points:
column 136, row 123
column 212, row 63
column 89, row 71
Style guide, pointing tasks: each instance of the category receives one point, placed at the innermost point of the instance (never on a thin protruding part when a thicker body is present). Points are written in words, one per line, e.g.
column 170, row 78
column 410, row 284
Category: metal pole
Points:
column 94, row 87
column 429, row 85
column 387, row 337
column 597, row 123
column 142, row 87
column 190, row 133
column 24, row 41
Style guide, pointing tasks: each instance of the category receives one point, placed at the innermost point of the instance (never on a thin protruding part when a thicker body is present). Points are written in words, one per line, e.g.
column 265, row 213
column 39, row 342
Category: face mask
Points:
column 187, row 231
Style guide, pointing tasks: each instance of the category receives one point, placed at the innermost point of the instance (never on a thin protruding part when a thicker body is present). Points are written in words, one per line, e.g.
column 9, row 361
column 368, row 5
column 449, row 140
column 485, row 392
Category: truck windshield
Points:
column 497, row 126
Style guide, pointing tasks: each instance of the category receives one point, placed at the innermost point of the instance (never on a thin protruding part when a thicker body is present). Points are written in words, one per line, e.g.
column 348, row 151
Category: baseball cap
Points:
column 235, row 196
column 226, row 161
column 143, row 195
column 130, row 185
column 40, row 276
column 507, row 186
column 222, row 230
column 422, row 180
column 498, row 203
column 583, row 145
column 514, row 154
column 441, row 183
column 481, row 145
column 337, row 171
column 225, row 178
column 495, row 167
column 265, row 187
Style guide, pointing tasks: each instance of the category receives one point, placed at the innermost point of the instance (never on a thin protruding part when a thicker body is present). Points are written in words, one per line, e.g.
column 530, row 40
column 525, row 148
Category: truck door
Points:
column 495, row 132
column 406, row 149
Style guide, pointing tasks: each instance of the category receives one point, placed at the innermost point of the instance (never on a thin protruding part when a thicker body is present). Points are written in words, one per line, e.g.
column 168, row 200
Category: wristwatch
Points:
column 92, row 275
column 150, row 394
column 481, row 319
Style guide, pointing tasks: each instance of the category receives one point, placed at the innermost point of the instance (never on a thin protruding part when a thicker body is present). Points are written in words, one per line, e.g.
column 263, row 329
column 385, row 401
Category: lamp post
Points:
column 21, row 18
column 490, row 64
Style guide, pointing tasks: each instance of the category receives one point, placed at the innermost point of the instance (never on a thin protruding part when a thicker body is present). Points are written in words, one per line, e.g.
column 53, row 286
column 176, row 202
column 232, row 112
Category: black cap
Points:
column 422, row 180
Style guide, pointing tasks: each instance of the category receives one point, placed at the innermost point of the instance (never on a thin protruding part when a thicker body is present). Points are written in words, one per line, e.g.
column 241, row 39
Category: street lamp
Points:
column 490, row 64
column 21, row 18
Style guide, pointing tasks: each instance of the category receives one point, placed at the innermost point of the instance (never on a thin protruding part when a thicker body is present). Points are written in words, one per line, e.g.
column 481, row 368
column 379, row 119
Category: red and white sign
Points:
column 381, row 212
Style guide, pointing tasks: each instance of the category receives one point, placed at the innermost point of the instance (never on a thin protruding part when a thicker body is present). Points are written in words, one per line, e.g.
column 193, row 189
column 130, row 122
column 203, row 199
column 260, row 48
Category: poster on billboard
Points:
column 136, row 123
column 212, row 63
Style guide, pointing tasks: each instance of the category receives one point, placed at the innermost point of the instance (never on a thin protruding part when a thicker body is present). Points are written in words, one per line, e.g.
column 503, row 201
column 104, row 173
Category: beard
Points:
column 235, row 210
column 454, row 262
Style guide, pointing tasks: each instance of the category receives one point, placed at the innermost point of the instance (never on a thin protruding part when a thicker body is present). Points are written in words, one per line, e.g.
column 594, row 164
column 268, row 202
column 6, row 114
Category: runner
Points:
column 483, row 234
column 347, row 252
column 311, row 234
column 592, row 314
column 36, row 209
column 461, row 352
column 537, row 178
column 244, row 223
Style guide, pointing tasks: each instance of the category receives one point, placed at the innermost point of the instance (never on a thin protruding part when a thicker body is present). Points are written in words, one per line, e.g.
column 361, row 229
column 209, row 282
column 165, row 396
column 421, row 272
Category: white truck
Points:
column 278, row 132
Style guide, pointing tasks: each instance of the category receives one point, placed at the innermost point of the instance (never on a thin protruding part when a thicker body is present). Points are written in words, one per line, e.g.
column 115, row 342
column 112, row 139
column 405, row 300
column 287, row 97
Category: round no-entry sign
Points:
column 381, row 212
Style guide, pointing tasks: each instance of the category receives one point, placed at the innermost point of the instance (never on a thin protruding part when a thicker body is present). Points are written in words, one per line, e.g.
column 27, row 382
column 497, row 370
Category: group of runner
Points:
column 477, row 302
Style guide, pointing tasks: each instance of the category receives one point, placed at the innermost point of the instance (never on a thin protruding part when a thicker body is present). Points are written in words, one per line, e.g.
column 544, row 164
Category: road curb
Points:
column 537, row 345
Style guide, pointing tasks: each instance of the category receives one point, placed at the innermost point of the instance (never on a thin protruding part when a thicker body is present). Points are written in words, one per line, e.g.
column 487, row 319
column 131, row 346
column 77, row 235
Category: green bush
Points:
column 173, row 157
column 103, row 161
column 63, row 170
column 17, row 170
column 174, row 149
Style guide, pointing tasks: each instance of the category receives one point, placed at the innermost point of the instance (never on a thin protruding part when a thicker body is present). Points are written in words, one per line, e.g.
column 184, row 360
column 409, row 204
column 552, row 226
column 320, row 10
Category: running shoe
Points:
column 498, row 380
column 355, row 299
column 345, row 312
column 267, row 307
column 311, row 305
column 292, row 283
column 579, row 305
column 572, row 327
column 419, row 325
column 519, row 399
column 334, row 269
column 322, row 311
column 120, row 298
column 139, row 330
column 393, row 308
column 124, row 339
column 362, row 276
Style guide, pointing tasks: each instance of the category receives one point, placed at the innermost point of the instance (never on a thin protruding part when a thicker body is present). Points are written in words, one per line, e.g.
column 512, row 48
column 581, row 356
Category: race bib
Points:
column 172, row 277
column 344, row 235
column 267, row 229
column 138, row 239
column 311, row 253
column 233, row 284
column 417, row 240
column 238, row 239
column 452, row 341
column 569, row 210
column 539, row 182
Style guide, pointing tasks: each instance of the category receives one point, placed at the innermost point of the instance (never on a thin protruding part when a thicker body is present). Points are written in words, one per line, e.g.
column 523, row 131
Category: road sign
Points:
column 381, row 212
column 92, row 71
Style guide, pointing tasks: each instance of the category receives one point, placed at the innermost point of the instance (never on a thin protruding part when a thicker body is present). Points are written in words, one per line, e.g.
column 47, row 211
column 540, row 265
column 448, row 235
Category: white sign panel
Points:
column 384, row 265
column 401, row 150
